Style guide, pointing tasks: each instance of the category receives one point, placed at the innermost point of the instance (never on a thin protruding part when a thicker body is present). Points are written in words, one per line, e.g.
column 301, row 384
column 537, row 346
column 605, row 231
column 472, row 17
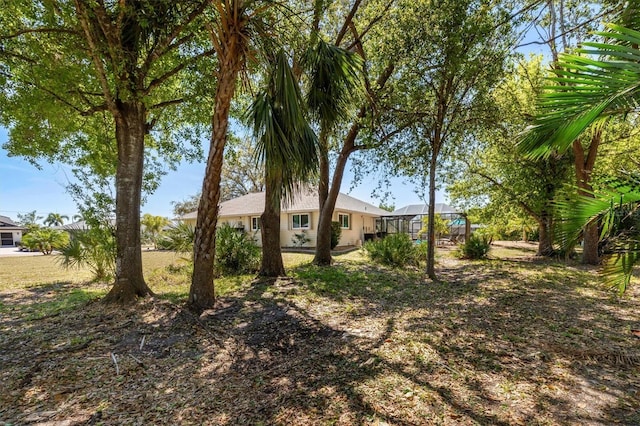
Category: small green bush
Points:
column 476, row 247
column 93, row 248
column 236, row 251
column 178, row 238
column 393, row 250
column 45, row 240
column 336, row 233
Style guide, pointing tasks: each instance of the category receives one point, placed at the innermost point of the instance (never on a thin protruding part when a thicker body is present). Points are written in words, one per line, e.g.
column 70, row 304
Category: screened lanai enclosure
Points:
column 411, row 220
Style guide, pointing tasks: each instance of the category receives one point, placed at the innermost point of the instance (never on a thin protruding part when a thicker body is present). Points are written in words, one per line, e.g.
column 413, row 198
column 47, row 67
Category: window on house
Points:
column 344, row 221
column 255, row 223
column 300, row 221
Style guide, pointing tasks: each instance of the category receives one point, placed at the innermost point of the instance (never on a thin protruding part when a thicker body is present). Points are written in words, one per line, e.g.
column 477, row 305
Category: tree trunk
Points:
column 584, row 168
column 131, row 128
column 272, row 265
column 431, row 234
column 323, row 241
column 545, row 241
column 323, row 184
column 467, row 228
column 591, row 239
column 201, row 293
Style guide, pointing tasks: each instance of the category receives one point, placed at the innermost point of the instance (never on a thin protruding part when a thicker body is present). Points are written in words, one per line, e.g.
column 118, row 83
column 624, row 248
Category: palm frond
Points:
column 287, row 145
column 586, row 90
column 617, row 211
column 334, row 78
column 618, row 267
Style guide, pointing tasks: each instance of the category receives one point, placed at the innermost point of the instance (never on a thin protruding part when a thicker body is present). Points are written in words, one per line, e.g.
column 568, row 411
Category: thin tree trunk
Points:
column 272, row 265
column 323, row 185
column 201, row 293
column 583, row 169
column 131, row 128
column 545, row 241
column 431, row 234
column 323, row 240
column 467, row 228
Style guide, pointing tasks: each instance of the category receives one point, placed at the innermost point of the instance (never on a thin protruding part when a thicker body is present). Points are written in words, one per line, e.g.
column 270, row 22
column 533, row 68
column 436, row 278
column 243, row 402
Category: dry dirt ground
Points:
column 516, row 341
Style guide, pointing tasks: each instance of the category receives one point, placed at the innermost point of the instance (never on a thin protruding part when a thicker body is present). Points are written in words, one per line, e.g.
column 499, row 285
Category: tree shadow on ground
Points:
column 488, row 344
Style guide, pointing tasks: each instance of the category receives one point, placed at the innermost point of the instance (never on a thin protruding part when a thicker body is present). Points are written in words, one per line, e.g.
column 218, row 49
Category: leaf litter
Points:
column 492, row 343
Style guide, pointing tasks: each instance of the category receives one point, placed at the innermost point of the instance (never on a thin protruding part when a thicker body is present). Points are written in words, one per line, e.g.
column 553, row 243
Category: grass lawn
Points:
column 513, row 340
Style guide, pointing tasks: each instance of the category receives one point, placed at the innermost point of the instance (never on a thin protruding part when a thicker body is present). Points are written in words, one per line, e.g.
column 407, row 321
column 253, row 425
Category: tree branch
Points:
column 347, row 22
column 56, row 30
column 165, row 45
column 160, row 80
column 166, row 103
column 93, row 52
column 371, row 24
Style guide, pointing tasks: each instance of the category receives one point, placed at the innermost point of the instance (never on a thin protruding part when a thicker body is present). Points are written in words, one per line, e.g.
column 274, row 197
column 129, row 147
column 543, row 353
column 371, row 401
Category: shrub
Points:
column 178, row 238
column 94, row 248
column 301, row 239
column 45, row 240
column 236, row 251
column 476, row 247
column 393, row 250
column 336, row 233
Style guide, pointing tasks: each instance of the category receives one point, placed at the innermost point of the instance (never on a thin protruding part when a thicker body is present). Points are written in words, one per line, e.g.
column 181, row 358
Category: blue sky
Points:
column 24, row 188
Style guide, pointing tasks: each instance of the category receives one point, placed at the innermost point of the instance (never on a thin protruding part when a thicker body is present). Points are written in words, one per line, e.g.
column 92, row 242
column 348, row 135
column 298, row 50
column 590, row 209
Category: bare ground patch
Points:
column 491, row 343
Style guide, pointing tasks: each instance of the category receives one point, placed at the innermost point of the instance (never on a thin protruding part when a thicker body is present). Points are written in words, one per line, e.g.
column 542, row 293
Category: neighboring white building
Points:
column 10, row 232
column 301, row 216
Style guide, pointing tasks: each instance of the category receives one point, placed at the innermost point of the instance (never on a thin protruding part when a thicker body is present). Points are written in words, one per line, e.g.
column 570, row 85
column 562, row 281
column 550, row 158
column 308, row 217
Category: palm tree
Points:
column 55, row 219
column 287, row 147
column 236, row 32
column 588, row 93
column 153, row 226
column 230, row 34
column 334, row 78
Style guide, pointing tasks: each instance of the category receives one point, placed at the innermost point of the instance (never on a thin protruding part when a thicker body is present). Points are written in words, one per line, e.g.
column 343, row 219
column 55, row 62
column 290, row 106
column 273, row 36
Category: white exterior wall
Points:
column 359, row 224
column 287, row 232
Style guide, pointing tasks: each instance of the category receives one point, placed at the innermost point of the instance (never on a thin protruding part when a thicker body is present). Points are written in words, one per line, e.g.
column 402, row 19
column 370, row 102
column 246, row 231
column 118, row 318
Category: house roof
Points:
column 253, row 205
column 6, row 223
column 416, row 209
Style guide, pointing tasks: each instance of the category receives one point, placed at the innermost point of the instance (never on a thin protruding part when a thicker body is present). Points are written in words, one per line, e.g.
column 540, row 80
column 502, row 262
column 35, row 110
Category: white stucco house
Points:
column 356, row 217
column 10, row 232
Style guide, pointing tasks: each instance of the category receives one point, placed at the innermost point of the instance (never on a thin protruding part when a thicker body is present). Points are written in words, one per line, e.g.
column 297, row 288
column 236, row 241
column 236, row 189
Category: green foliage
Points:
column 336, row 233
column 286, row 144
column 476, row 247
column 440, row 226
column 236, row 251
column 178, row 238
column 300, row 239
column 334, row 78
column 188, row 205
column 94, row 248
column 387, row 207
column 29, row 219
column 587, row 91
column 153, row 227
column 55, row 219
column 616, row 209
column 45, row 240
column 393, row 250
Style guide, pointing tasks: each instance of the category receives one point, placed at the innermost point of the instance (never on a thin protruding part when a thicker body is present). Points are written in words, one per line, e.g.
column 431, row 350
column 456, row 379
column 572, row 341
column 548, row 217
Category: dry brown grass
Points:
column 497, row 342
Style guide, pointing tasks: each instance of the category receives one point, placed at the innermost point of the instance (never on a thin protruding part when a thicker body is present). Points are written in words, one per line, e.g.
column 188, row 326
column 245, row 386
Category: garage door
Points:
column 6, row 239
